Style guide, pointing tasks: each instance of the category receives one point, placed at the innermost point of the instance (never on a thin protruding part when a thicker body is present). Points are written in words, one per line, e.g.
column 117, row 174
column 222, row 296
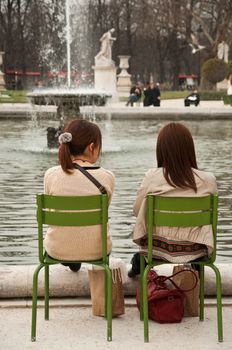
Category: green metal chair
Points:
column 59, row 211
column 180, row 212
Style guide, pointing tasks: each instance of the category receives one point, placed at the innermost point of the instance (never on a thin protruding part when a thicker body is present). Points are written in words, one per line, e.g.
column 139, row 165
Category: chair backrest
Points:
column 181, row 212
column 72, row 211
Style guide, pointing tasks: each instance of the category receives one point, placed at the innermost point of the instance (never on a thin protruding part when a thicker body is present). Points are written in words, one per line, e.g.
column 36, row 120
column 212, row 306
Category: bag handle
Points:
column 116, row 275
column 163, row 279
column 91, row 178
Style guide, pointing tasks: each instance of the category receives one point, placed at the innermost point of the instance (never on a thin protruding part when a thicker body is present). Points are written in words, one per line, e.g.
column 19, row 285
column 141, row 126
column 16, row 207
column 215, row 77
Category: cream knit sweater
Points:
column 155, row 183
column 70, row 243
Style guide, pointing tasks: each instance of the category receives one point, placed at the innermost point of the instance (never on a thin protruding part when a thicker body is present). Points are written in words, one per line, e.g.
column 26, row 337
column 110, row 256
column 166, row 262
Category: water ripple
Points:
column 129, row 151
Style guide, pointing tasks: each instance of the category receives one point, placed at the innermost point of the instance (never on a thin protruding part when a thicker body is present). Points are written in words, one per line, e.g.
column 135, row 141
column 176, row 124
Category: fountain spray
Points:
column 67, row 14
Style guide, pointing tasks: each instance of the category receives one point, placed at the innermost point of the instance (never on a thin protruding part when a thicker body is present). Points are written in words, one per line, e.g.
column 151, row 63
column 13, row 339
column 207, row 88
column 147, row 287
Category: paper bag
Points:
column 97, row 290
column 186, row 281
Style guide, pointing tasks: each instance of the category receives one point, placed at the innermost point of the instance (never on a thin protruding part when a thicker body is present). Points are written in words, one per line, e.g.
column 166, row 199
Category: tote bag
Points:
column 97, row 290
column 186, row 280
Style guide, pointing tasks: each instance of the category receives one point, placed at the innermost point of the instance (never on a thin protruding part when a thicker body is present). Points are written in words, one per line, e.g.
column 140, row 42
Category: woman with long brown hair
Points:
column 176, row 175
column 80, row 147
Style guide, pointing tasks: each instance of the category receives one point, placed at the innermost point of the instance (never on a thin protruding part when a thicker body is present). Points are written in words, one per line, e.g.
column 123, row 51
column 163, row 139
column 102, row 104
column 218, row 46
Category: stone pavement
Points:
column 169, row 109
column 74, row 327
column 176, row 103
column 172, row 109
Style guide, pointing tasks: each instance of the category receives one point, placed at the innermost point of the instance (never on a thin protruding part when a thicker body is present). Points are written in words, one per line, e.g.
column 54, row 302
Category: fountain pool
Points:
column 128, row 150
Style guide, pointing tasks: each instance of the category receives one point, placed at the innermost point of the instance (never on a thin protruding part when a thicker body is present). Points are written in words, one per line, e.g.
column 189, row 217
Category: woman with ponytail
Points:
column 176, row 175
column 80, row 146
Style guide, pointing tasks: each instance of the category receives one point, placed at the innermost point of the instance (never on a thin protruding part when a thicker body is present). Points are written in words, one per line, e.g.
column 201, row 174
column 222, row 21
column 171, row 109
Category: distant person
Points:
column 80, row 146
column 157, row 95
column 152, row 95
column 146, row 92
column 135, row 94
column 193, row 98
column 38, row 84
column 176, row 175
column 19, row 85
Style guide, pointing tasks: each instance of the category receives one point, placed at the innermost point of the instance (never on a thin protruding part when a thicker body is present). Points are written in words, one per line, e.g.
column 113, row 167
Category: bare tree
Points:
column 157, row 34
column 215, row 19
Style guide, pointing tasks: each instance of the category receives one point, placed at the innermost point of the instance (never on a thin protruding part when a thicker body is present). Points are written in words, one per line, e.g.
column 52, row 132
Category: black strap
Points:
column 91, row 178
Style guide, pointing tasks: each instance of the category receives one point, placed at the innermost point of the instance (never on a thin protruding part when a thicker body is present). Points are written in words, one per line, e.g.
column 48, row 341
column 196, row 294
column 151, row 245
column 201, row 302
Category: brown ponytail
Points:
column 83, row 134
column 65, row 157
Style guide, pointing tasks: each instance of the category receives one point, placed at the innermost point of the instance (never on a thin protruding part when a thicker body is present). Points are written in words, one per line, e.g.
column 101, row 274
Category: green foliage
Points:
column 167, row 95
column 13, row 96
column 227, row 99
column 214, row 70
column 211, row 95
column 204, row 95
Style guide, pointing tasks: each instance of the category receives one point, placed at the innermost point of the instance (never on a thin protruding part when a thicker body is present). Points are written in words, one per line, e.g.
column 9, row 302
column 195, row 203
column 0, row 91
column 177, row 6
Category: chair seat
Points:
column 49, row 260
column 203, row 260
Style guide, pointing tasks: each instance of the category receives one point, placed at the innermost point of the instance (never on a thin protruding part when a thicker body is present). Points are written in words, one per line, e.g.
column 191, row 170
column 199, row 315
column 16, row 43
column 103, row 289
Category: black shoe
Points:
column 73, row 267
column 196, row 267
column 132, row 273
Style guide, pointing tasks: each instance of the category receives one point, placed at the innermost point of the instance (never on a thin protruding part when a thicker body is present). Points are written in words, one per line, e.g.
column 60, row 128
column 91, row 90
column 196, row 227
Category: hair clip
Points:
column 65, row 137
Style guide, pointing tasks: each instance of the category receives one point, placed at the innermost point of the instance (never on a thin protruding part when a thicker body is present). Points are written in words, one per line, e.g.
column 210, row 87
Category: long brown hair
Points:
column 83, row 134
column 175, row 152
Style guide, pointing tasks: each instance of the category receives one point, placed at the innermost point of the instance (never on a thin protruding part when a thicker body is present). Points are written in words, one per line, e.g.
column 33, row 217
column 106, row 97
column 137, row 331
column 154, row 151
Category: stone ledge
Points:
column 170, row 109
column 16, row 281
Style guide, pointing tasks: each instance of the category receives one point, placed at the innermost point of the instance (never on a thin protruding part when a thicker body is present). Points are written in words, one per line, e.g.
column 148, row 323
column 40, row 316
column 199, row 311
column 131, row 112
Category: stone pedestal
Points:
column 16, row 281
column 124, row 78
column 105, row 78
column 2, row 81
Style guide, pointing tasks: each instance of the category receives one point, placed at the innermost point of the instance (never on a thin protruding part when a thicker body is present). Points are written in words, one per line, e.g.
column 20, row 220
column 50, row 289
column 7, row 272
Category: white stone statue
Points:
column 229, row 86
column 104, row 56
column 223, row 51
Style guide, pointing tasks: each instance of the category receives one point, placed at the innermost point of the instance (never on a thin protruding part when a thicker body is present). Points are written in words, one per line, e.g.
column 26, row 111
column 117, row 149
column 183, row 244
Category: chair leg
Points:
column 145, row 303
column 34, row 301
column 46, row 292
column 142, row 266
column 219, row 301
column 202, row 292
column 108, row 297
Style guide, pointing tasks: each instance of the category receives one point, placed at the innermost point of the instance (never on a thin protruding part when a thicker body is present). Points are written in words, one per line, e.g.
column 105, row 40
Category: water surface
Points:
column 129, row 151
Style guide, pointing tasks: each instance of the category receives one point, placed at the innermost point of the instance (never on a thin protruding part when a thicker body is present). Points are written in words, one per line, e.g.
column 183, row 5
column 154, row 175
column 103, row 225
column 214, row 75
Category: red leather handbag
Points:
column 165, row 305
